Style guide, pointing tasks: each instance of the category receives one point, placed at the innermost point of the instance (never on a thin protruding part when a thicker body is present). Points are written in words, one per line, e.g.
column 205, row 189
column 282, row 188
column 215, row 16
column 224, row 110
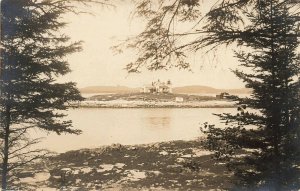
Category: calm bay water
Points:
column 130, row 126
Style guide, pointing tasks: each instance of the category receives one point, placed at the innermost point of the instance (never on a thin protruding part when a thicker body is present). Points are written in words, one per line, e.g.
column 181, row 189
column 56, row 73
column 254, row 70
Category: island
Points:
column 158, row 94
column 165, row 100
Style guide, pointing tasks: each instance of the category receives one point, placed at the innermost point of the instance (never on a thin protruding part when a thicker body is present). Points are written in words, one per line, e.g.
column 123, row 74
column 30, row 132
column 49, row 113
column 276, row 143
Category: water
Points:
column 87, row 95
column 103, row 126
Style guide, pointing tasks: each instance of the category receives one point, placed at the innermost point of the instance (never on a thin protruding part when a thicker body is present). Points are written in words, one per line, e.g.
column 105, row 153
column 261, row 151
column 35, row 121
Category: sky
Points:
column 98, row 65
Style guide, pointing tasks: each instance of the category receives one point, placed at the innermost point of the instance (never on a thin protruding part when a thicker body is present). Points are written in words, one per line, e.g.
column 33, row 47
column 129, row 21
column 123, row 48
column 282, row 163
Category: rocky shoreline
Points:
column 147, row 104
column 175, row 165
column 142, row 100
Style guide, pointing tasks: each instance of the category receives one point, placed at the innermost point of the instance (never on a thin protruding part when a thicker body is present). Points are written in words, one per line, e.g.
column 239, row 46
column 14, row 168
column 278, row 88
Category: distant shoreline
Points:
column 141, row 100
column 139, row 104
column 149, row 107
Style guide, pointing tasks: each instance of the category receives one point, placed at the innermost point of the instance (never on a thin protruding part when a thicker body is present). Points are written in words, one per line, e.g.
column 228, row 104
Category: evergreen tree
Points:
column 267, row 124
column 32, row 57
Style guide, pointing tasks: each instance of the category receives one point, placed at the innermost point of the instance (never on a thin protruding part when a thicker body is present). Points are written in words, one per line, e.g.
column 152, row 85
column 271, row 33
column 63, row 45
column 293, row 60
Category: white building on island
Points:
column 158, row 87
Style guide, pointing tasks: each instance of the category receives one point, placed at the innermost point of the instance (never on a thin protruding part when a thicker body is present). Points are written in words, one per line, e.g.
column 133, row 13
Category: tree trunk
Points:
column 6, row 149
column 5, row 161
column 277, row 181
column 275, row 116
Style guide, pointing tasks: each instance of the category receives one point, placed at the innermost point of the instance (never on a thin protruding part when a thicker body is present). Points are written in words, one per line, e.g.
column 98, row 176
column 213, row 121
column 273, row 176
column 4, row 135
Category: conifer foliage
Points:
column 261, row 143
column 32, row 57
column 267, row 124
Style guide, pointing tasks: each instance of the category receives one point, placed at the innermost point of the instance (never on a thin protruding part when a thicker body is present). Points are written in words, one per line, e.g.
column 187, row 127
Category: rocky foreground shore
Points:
column 177, row 165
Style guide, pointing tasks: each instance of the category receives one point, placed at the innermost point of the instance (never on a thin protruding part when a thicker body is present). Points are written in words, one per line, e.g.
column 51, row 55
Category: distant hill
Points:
column 180, row 90
column 108, row 89
column 208, row 90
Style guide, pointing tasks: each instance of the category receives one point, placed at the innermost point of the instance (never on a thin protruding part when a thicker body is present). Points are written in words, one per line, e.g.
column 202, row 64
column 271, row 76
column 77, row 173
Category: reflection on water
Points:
column 130, row 126
column 159, row 122
column 157, row 118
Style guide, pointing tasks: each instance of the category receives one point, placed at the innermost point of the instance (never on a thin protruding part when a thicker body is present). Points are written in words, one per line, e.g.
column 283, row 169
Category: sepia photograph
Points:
column 150, row 95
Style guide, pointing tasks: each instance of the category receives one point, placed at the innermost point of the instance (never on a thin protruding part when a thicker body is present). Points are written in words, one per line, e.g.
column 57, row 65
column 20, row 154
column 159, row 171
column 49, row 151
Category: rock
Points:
column 180, row 160
column 42, row 176
column 133, row 148
column 86, row 170
column 66, row 169
column 164, row 153
column 156, row 173
column 105, row 167
column 135, row 175
column 77, row 181
column 38, row 177
column 76, row 171
column 119, row 165
column 201, row 152
column 187, row 156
